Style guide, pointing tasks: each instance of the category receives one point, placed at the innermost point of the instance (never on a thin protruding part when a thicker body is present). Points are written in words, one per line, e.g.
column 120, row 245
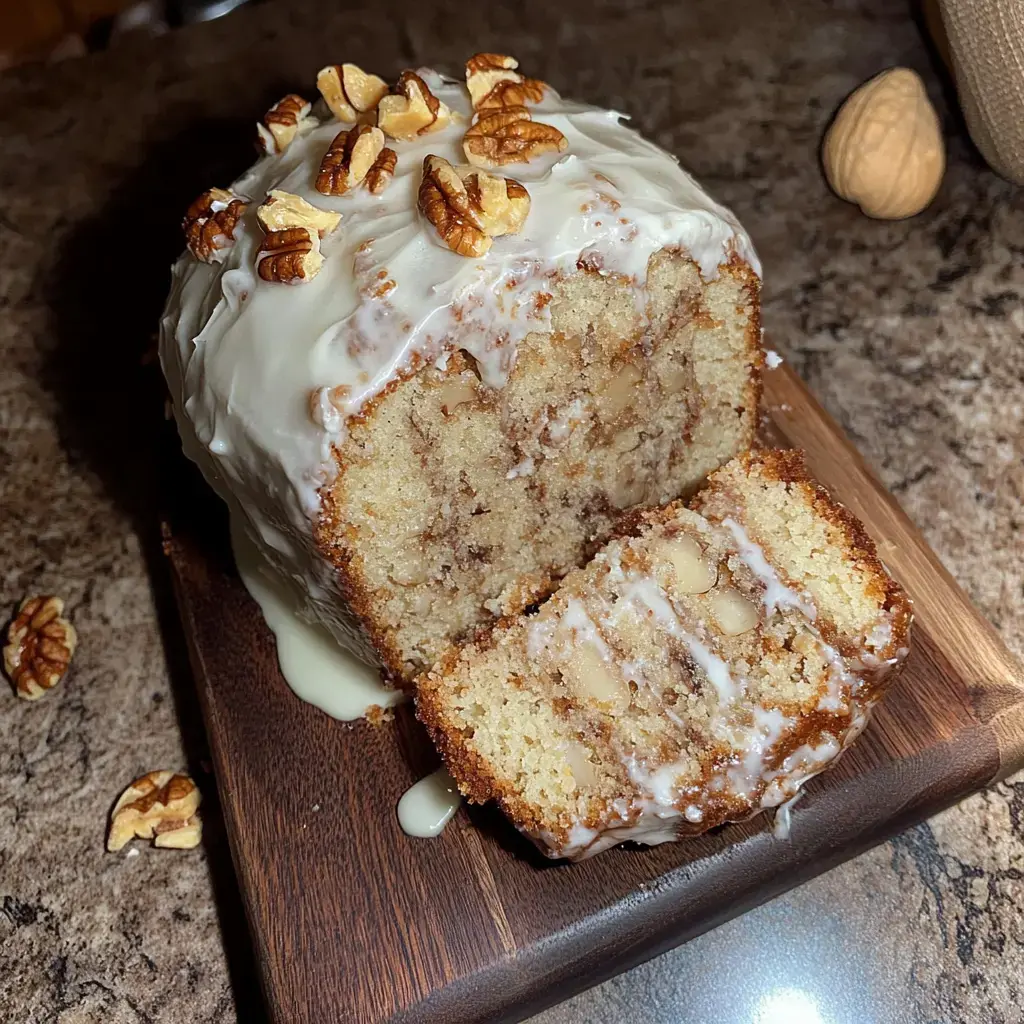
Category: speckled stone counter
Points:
column 912, row 334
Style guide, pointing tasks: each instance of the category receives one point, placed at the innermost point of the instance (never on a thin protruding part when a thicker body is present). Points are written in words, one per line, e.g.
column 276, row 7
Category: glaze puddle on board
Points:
column 322, row 673
column 318, row 670
column 429, row 805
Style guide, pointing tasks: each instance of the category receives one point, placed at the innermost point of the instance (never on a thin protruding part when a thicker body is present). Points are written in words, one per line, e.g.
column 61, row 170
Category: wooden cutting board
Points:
column 354, row 921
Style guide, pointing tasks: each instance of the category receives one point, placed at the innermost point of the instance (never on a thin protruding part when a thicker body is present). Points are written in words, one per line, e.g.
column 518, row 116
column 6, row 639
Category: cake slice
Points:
column 699, row 669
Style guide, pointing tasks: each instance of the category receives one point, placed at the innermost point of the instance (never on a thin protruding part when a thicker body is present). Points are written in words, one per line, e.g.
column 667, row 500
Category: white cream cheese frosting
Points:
column 254, row 367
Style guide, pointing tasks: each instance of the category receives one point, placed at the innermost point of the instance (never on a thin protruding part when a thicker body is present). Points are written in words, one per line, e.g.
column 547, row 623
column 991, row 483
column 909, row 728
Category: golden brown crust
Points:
column 755, row 386
column 476, row 781
column 337, row 542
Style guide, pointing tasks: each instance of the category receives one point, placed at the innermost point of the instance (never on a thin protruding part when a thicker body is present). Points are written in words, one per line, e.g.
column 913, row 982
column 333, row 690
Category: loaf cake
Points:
column 699, row 669
column 442, row 334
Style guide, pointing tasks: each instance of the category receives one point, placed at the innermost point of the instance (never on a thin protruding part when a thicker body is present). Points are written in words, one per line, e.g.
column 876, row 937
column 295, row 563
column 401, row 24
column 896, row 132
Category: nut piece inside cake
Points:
column 698, row 670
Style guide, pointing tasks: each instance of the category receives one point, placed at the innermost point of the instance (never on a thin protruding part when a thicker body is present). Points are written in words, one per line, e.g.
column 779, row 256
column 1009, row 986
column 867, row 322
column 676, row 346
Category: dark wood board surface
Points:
column 354, row 921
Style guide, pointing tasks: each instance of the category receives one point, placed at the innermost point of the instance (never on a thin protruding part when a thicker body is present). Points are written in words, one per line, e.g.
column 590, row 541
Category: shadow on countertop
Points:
column 106, row 294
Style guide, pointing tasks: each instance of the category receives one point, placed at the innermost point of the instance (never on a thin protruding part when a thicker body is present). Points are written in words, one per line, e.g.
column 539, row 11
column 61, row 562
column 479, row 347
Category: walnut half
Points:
column 40, row 643
column 468, row 207
column 162, row 806
column 380, row 175
column 209, row 223
column 510, row 135
column 494, row 83
column 290, row 256
column 351, row 158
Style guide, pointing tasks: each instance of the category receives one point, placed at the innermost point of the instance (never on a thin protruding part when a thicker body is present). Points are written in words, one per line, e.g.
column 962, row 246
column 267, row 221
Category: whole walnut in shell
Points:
column 884, row 150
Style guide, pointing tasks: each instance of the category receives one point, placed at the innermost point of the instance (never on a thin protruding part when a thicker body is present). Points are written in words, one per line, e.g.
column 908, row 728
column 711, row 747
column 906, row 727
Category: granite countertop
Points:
column 910, row 333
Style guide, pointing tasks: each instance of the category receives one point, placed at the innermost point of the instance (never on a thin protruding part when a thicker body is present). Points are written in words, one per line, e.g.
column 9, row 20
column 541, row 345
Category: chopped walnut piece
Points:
column 493, row 83
column 444, row 202
column 379, row 176
column 501, row 204
column 209, row 223
column 162, row 806
column 282, row 122
column 283, row 210
column 378, row 716
column 349, row 92
column 468, row 207
column 290, row 256
column 349, row 158
column 510, row 136
column 512, row 94
column 412, row 110
column 40, row 643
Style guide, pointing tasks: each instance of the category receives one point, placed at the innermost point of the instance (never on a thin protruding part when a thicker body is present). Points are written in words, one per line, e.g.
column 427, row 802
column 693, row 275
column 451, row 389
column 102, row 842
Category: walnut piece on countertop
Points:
column 40, row 644
column 160, row 805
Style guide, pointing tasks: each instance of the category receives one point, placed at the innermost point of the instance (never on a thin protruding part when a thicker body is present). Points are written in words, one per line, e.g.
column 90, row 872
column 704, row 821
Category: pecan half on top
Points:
column 283, row 210
column 162, row 806
column 509, row 136
column 40, row 643
column 282, row 122
column 411, row 110
column 209, row 223
column 380, row 175
column 290, row 256
column 493, row 83
column 351, row 158
column 349, row 91
column 468, row 207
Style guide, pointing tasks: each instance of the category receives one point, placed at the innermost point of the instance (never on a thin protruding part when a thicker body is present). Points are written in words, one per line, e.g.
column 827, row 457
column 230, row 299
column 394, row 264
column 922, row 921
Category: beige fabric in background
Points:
column 986, row 40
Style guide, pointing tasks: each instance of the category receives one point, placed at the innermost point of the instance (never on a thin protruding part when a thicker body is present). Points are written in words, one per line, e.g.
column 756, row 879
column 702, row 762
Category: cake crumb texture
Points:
column 492, row 494
column 707, row 662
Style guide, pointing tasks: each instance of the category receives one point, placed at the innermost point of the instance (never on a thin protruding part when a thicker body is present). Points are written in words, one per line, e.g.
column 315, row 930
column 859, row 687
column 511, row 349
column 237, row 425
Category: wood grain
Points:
column 974, row 648
column 353, row 921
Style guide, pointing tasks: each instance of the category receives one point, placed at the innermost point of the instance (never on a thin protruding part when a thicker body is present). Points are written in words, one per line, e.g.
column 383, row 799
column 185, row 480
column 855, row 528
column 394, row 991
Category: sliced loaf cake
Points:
column 699, row 669
column 426, row 424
